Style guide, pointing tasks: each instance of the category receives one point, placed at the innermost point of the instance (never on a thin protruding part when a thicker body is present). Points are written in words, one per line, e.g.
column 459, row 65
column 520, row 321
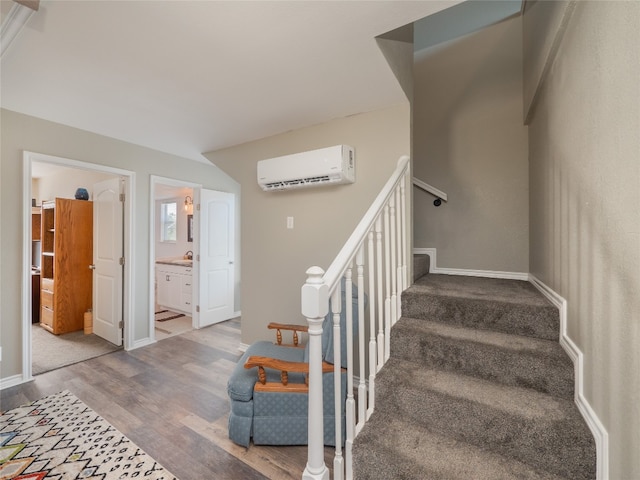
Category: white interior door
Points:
column 217, row 271
column 107, row 252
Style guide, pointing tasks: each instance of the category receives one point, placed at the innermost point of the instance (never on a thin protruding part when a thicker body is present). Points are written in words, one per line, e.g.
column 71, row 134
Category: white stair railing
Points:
column 376, row 253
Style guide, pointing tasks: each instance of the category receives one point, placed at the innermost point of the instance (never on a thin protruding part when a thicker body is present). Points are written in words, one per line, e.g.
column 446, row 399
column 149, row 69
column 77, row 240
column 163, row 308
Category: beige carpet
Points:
column 51, row 351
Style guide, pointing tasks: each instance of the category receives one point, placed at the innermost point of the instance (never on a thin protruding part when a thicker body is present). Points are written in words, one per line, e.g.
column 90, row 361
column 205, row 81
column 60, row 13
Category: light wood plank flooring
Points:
column 170, row 399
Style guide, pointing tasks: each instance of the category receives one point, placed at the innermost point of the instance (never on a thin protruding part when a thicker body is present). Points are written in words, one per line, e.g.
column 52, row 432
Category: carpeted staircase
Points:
column 477, row 387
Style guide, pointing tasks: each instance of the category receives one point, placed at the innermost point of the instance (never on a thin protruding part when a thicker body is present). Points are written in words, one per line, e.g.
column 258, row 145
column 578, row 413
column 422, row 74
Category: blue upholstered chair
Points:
column 271, row 413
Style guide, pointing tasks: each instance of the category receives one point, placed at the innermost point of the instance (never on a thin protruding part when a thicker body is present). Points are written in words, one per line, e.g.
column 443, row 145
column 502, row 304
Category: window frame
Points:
column 166, row 222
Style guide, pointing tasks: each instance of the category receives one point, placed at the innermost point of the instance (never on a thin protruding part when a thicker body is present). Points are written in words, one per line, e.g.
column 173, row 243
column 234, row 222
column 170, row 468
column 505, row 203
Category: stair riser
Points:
column 421, row 264
column 474, row 313
column 523, row 439
column 545, row 374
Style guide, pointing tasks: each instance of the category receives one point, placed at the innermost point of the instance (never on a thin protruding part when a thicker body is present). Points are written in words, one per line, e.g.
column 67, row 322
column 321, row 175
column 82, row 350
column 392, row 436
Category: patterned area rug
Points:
column 59, row 437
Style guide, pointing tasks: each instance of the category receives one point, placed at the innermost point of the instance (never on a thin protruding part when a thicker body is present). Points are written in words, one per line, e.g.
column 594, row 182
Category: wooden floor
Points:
column 170, row 399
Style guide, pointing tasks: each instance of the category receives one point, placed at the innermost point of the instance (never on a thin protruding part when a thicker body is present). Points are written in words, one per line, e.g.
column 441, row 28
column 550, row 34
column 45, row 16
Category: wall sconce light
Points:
column 188, row 203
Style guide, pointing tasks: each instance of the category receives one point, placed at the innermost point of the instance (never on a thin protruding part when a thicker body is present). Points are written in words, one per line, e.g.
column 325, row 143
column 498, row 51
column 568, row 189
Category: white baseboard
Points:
column 142, row 343
column 600, row 434
column 13, row 381
column 433, row 268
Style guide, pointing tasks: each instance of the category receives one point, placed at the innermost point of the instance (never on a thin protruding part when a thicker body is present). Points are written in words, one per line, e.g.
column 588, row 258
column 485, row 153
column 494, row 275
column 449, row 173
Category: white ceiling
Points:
column 187, row 77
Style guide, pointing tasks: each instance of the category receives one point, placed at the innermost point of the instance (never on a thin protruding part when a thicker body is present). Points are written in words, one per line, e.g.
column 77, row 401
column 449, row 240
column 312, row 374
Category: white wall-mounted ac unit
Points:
column 326, row 166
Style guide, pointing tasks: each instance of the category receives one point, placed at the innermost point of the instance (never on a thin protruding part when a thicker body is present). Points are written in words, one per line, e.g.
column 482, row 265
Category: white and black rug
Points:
column 164, row 315
column 59, row 437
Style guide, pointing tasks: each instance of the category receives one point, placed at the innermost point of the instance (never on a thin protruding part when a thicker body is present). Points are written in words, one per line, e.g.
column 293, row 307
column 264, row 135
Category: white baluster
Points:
column 399, row 282
column 350, row 403
column 315, row 304
column 387, row 295
column 380, row 294
column 372, row 325
column 362, row 385
column 394, row 278
column 405, row 257
column 336, row 307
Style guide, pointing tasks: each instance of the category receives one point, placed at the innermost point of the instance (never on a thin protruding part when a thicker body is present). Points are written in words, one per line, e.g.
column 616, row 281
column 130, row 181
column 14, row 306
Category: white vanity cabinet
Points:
column 174, row 287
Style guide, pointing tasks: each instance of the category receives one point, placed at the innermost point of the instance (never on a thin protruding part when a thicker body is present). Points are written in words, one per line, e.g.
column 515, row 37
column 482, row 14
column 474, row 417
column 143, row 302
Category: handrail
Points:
column 439, row 194
column 348, row 251
column 379, row 245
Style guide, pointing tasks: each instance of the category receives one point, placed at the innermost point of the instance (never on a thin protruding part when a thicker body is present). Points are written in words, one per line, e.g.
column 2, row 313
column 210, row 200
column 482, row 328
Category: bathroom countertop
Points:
column 178, row 262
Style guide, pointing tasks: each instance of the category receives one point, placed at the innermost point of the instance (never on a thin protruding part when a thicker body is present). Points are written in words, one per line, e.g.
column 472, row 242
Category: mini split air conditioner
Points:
column 326, row 166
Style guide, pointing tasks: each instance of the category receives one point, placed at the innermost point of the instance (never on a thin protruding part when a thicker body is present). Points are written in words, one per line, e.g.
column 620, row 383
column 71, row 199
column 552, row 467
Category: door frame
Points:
column 128, row 233
column 158, row 180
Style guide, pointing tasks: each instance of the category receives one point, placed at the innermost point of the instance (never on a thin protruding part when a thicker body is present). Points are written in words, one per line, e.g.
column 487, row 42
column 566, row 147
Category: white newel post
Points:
column 315, row 306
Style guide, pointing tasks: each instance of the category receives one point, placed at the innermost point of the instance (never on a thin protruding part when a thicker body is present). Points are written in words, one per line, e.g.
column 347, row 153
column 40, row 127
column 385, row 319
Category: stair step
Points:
column 545, row 432
column 509, row 306
column 477, row 386
column 514, row 360
column 390, row 448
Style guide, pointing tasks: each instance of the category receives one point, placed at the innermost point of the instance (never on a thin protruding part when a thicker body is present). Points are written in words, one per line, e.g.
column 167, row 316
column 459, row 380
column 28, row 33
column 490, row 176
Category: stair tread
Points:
column 510, row 341
column 390, row 448
column 481, row 288
column 539, row 364
column 514, row 400
column 509, row 306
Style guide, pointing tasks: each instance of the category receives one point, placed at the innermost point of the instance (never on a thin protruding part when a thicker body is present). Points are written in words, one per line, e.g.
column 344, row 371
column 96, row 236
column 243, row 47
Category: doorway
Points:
column 203, row 228
column 65, row 174
column 171, row 241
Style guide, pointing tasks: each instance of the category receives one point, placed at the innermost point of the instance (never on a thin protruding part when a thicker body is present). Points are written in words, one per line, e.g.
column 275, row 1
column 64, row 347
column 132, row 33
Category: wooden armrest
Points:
column 284, row 367
column 290, row 327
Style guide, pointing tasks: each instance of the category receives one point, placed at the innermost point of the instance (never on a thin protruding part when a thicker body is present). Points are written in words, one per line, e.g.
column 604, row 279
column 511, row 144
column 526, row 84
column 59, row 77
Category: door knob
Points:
column 92, row 267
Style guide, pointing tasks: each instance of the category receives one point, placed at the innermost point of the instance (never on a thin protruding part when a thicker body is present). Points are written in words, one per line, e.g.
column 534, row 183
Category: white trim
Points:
column 13, row 24
column 600, row 434
column 426, row 251
column 26, row 272
column 243, row 347
column 143, row 343
column 481, row 273
column 129, row 235
column 433, row 268
column 12, row 381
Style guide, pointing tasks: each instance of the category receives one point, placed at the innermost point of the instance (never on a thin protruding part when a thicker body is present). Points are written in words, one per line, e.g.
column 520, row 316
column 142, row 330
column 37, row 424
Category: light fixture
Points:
column 188, row 203
column 17, row 17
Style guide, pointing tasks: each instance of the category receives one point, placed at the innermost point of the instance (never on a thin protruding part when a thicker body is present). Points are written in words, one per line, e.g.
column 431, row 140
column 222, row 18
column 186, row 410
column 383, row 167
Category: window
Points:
column 168, row 221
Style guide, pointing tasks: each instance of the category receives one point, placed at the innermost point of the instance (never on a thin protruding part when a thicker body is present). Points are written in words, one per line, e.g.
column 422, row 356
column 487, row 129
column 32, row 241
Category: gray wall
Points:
column 542, row 33
column 585, row 216
column 470, row 142
column 21, row 132
column 274, row 259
